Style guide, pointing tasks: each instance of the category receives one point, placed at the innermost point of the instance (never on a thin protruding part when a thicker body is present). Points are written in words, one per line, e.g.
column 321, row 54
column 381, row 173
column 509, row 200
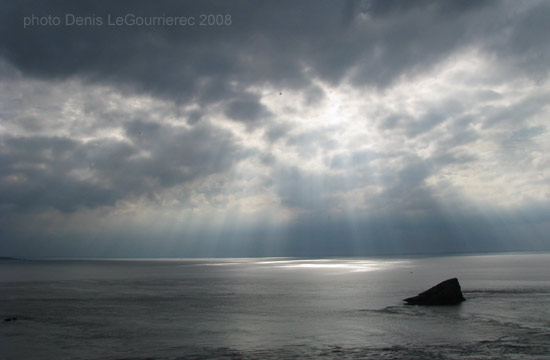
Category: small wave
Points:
column 506, row 347
column 516, row 291
column 400, row 310
column 409, row 310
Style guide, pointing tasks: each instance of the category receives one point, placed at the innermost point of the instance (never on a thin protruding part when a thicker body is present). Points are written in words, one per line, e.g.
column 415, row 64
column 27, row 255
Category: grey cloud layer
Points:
column 55, row 172
column 280, row 43
column 92, row 116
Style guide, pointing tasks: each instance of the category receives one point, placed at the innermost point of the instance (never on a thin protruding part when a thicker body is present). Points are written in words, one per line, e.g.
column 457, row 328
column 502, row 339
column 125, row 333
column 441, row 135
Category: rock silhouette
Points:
column 445, row 293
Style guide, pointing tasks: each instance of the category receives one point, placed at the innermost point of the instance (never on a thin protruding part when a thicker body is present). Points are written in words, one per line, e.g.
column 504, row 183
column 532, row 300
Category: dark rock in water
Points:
column 445, row 293
column 10, row 319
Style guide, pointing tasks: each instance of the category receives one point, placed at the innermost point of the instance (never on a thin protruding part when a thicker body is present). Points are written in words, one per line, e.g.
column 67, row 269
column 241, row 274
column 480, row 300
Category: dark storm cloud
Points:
column 194, row 117
column 35, row 174
column 247, row 110
column 282, row 43
column 314, row 95
column 191, row 63
column 526, row 46
column 64, row 174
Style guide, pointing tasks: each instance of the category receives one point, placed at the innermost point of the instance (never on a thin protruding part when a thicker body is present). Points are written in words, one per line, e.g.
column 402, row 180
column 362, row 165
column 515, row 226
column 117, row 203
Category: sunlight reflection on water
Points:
column 321, row 264
column 349, row 265
column 304, row 308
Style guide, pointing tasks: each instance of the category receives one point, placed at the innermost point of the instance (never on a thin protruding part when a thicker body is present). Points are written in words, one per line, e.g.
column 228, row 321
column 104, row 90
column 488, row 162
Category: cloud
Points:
column 382, row 41
column 248, row 111
column 35, row 176
column 297, row 128
column 66, row 174
column 356, row 159
column 276, row 131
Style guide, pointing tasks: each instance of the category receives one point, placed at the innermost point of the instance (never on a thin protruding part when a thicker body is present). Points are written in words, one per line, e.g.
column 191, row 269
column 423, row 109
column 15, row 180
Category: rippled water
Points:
column 274, row 308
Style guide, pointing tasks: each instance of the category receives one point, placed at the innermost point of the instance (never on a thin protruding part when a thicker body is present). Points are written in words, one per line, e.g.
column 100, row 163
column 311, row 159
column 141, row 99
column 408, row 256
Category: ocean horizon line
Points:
column 325, row 257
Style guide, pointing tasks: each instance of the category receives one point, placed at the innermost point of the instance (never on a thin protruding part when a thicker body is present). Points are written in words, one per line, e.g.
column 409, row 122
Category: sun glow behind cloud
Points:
column 273, row 152
column 344, row 144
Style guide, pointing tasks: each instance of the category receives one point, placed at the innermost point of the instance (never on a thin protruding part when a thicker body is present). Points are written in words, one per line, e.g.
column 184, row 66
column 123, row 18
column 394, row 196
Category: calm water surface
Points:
column 274, row 308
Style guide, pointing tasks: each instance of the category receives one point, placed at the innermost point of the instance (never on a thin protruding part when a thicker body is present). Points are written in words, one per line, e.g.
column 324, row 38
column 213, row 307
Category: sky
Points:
column 274, row 128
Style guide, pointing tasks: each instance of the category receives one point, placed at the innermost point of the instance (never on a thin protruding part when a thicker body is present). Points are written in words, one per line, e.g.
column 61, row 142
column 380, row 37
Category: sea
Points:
column 274, row 308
